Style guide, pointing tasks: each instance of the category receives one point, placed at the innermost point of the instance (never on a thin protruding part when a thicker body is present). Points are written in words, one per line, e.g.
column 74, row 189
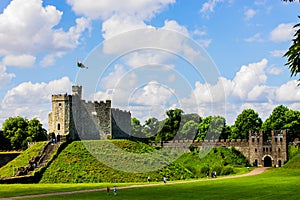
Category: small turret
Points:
column 77, row 91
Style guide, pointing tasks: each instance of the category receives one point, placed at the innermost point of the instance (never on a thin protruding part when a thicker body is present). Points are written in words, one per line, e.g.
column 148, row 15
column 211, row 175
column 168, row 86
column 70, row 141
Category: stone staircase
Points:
column 38, row 161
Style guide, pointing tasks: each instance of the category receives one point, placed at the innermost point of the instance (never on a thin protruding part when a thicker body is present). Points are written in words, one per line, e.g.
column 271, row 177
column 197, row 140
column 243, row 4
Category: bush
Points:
column 227, row 170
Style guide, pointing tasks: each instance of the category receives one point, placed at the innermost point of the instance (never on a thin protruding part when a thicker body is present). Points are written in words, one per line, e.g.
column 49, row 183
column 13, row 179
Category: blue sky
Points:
column 242, row 41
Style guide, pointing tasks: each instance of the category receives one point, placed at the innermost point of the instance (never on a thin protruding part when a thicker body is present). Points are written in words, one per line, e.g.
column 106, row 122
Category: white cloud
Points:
column 24, row 60
column 282, row 33
column 174, row 26
column 142, row 9
column 28, row 29
column 118, row 24
column 250, row 13
column 147, row 57
column 48, row 61
column 205, row 42
column 198, row 32
column 288, row 92
column 277, row 53
column 5, row 77
column 209, row 6
column 113, row 79
column 32, row 99
column 148, row 94
column 255, row 38
column 274, row 70
column 248, row 77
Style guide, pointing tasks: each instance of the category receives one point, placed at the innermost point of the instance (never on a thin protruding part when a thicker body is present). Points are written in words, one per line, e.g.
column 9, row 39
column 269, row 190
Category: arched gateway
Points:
column 267, row 161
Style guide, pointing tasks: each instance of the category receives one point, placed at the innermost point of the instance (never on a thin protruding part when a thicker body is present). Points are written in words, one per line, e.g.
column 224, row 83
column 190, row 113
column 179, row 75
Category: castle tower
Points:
column 77, row 91
column 279, row 147
column 255, row 146
column 60, row 118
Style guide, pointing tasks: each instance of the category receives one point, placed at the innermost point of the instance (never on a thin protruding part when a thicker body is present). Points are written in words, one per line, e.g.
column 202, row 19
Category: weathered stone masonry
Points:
column 77, row 119
column 259, row 150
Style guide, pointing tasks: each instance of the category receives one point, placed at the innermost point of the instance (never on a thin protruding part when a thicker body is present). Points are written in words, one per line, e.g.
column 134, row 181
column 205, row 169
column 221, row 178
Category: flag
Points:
column 80, row 64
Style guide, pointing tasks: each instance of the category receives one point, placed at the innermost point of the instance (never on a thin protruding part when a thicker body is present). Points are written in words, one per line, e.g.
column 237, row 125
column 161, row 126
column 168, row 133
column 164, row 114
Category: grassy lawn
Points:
column 274, row 184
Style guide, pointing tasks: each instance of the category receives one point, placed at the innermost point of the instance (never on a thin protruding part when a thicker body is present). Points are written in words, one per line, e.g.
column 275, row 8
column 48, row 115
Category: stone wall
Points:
column 121, row 123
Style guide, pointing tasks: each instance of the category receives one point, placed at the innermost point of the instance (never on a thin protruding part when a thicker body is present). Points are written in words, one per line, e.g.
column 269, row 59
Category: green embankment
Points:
column 75, row 164
column 21, row 161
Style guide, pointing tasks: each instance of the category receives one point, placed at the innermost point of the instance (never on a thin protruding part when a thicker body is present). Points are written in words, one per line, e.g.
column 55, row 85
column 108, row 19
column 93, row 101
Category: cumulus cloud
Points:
column 248, row 77
column 5, row 77
column 28, row 29
column 288, row 92
column 32, row 99
column 249, row 13
column 24, row 60
column 282, row 33
column 142, row 9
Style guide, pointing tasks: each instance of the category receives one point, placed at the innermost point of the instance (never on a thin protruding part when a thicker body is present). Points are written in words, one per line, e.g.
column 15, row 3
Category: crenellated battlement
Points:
column 80, row 119
column 61, row 97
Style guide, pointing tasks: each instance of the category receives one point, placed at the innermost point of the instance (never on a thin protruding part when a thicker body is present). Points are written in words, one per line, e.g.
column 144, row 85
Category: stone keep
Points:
column 75, row 118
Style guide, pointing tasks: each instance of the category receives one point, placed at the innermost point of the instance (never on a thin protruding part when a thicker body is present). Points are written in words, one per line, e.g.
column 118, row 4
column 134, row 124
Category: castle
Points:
column 260, row 149
column 74, row 118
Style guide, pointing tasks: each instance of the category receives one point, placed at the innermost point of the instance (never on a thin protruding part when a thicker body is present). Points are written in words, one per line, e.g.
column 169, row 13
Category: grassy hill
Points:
column 76, row 163
column 21, row 161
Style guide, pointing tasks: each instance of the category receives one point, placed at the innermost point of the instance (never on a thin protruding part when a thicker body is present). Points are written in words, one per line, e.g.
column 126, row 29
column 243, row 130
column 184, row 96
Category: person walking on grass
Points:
column 165, row 180
column 115, row 190
column 107, row 190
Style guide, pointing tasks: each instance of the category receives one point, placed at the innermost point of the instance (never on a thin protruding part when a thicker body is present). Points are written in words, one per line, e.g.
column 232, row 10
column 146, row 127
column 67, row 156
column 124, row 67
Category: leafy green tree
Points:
column 293, row 53
column 169, row 127
column 246, row 121
column 19, row 131
column 276, row 120
column 211, row 127
column 15, row 130
column 136, row 128
column 189, row 130
column 150, row 127
column 283, row 118
column 36, row 132
column 188, row 117
column 292, row 118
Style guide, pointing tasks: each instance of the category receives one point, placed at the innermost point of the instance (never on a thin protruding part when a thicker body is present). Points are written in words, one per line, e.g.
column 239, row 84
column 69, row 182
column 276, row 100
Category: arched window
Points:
column 58, row 126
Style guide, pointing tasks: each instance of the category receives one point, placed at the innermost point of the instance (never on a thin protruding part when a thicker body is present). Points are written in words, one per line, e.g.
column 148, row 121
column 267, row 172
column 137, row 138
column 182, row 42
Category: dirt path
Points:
column 253, row 172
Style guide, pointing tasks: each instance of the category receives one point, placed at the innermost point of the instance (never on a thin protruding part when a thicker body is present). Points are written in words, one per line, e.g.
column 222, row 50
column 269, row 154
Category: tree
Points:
column 211, row 127
column 189, row 130
column 36, row 132
column 150, row 127
column 293, row 53
column 19, row 131
column 246, row 121
column 169, row 127
column 276, row 120
column 136, row 128
column 283, row 118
